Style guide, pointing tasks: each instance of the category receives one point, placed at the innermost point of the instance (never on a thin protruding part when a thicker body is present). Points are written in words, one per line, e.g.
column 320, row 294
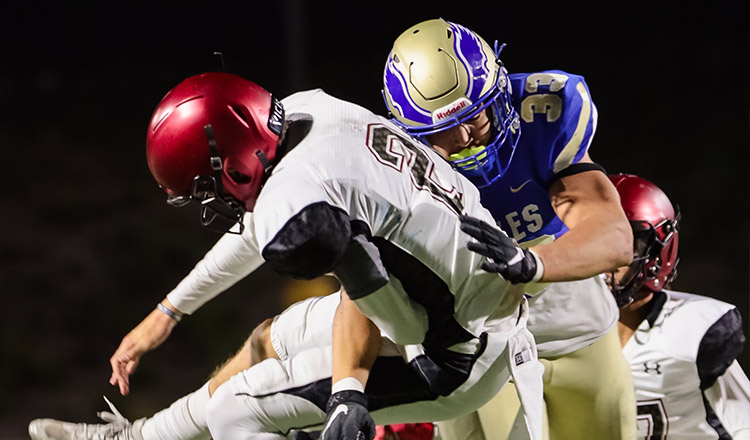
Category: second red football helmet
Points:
column 655, row 222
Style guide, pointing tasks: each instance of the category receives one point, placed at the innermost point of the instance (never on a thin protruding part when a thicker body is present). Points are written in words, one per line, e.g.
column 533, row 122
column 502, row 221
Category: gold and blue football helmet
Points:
column 439, row 75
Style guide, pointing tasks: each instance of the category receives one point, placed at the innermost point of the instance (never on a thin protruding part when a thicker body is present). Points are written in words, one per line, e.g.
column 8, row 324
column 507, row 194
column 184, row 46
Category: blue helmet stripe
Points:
column 395, row 86
column 469, row 48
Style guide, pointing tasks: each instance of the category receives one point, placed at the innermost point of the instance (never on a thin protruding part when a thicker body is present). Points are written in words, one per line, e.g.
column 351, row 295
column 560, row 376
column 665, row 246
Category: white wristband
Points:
column 347, row 383
column 539, row 267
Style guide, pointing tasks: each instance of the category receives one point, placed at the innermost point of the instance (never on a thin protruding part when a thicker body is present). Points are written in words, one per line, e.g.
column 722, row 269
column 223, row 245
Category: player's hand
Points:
column 347, row 417
column 147, row 335
column 505, row 256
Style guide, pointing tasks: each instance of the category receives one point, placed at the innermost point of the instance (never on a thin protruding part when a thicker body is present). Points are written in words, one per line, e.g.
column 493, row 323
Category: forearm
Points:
column 595, row 245
column 599, row 238
column 356, row 343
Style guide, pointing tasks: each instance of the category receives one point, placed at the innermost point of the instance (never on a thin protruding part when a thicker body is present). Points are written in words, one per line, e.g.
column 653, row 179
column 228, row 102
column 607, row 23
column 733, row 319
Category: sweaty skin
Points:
column 586, row 202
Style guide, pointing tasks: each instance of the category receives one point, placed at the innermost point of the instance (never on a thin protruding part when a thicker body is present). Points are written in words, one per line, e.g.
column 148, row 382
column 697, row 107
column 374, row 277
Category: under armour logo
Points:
column 522, row 357
column 656, row 367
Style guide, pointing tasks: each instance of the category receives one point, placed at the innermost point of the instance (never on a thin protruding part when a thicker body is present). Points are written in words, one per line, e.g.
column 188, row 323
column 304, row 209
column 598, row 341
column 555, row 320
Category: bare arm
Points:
column 146, row 336
column 356, row 342
column 600, row 238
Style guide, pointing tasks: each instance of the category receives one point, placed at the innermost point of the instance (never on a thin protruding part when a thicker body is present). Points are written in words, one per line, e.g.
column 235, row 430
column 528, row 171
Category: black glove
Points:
column 347, row 417
column 506, row 257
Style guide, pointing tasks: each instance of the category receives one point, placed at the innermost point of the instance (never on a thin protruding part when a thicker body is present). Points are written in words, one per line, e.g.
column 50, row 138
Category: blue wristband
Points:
column 164, row 309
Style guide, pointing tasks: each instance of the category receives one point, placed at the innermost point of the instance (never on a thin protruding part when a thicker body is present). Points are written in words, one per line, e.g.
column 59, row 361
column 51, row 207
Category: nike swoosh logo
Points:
column 341, row 409
column 515, row 190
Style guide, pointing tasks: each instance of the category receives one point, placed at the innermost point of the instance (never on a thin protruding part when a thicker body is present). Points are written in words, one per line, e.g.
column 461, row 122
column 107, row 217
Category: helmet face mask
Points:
column 484, row 165
column 625, row 283
column 213, row 140
column 438, row 76
column 218, row 213
column 655, row 224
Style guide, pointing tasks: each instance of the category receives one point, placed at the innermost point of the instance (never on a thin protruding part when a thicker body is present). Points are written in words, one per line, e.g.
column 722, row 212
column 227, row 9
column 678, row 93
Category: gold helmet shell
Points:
column 436, row 71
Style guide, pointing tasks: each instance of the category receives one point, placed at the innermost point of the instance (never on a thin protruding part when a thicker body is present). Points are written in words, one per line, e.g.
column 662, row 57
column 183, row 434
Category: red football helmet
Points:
column 405, row 431
column 655, row 222
column 213, row 139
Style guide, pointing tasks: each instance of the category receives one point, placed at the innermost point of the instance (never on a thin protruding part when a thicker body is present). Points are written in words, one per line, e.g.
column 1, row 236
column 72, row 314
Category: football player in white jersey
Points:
column 314, row 185
column 682, row 348
column 523, row 139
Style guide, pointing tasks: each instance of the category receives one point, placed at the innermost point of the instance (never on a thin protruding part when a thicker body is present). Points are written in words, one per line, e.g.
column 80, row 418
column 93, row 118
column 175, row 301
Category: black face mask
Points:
column 645, row 247
column 220, row 213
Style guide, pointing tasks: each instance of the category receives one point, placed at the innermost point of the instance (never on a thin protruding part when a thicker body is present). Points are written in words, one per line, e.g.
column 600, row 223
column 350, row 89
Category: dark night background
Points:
column 88, row 246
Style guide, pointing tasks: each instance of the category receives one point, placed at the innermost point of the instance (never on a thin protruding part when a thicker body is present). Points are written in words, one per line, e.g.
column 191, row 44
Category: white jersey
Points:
column 569, row 315
column 688, row 384
column 360, row 167
column 354, row 196
column 404, row 200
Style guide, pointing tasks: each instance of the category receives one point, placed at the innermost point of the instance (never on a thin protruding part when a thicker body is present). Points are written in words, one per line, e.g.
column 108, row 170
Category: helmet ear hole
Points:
column 238, row 177
column 241, row 116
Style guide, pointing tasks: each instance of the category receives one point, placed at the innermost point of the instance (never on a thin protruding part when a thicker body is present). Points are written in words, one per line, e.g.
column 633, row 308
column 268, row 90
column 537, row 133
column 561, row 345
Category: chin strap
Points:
column 216, row 163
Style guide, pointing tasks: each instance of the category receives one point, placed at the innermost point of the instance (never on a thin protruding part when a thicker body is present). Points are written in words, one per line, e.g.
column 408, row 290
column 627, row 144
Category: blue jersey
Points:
column 558, row 120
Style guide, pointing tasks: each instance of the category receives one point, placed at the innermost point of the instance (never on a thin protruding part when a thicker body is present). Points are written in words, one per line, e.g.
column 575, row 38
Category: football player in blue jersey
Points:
column 682, row 348
column 523, row 139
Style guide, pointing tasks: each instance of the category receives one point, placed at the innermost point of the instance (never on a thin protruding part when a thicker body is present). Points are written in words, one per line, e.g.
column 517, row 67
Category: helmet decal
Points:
column 466, row 44
column 397, row 89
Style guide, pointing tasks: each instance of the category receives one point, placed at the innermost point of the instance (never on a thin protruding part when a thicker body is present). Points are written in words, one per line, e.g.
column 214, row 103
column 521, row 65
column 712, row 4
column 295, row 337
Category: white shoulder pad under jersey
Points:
column 408, row 198
column 678, row 352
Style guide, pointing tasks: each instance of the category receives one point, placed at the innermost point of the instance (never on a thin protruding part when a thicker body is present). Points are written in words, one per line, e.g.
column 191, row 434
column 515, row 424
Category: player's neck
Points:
column 632, row 315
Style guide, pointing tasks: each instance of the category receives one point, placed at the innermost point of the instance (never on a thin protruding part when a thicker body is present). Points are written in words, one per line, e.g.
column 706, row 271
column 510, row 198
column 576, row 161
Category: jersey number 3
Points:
column 652, row 420
column 543, row 103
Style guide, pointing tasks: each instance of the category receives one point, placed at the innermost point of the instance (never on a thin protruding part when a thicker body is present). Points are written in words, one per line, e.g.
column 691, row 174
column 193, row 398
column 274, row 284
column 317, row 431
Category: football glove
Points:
column 347, row 417
column 505, row 256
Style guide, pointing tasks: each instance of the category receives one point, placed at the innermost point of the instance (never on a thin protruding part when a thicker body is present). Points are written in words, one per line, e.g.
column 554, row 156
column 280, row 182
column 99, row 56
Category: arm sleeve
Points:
column 302, row 221
column 361, row 269
column 730, row 399
column 720, row 345
column 311, row 243
column 231, row 259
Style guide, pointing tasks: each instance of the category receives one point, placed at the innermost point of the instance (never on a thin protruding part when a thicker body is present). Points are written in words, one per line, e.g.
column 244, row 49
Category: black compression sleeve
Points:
column 311, row 243
column 721, row 345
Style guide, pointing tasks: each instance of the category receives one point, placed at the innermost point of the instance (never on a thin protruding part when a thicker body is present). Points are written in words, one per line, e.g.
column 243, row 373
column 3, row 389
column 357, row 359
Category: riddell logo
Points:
column 450, row 109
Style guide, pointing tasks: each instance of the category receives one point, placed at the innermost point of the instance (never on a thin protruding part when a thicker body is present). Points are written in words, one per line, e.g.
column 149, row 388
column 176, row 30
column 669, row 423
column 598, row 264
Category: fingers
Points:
column 499, row 268
column 473, row 226
column 120, row 377
column 469, row 220
column 123, row 363
column 474, row 231
column 480, row 248
column 131, row 366
column 147, row 335
column 483, row 231
column 495, row 251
